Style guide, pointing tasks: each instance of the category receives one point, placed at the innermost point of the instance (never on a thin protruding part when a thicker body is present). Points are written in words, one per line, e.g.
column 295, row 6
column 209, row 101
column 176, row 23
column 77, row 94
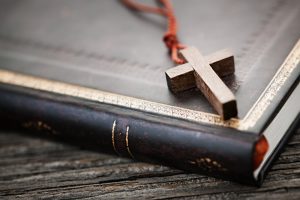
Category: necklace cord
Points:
column 170, row 37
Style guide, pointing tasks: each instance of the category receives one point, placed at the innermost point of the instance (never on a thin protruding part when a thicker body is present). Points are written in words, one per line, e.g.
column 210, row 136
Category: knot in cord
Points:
column 170, row 40
column 174, row 46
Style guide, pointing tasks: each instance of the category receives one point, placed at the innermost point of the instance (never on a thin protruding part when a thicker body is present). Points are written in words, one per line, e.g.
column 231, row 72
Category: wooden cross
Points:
column 203, row 73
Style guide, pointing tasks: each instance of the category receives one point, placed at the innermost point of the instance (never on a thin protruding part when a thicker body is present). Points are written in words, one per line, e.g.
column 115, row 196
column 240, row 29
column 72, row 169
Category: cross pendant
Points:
column 203, row 73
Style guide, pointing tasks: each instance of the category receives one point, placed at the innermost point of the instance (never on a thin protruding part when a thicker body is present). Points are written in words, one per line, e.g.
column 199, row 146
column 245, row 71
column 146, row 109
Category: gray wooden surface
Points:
column 32, row 168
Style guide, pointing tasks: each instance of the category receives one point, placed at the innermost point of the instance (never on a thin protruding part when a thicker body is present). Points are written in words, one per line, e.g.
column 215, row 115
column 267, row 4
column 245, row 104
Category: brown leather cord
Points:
column 170, row 37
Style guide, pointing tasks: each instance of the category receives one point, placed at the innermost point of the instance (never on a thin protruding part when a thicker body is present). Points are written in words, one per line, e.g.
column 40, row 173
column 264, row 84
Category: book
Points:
column 94, row 73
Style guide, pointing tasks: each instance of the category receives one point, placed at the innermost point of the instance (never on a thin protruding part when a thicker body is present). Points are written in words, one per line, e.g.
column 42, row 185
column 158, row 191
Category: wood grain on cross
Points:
column 203, row 73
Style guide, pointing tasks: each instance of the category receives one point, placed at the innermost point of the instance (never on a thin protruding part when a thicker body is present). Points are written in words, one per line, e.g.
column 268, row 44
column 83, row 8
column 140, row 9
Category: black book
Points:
column 94, row 72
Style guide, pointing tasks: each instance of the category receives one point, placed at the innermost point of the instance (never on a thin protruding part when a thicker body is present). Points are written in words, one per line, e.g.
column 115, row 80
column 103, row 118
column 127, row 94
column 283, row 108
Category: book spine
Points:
column 226, row 152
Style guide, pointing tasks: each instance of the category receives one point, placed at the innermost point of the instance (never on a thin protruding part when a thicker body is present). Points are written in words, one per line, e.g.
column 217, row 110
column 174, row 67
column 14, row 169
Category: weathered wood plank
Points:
column 33, row 168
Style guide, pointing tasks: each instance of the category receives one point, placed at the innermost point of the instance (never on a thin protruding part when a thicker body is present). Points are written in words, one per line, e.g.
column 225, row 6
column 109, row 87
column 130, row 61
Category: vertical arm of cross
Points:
column 210, row 84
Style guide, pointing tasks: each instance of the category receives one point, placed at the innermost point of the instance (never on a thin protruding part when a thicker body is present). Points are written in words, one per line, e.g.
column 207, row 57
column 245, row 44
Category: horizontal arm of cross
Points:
column 181, row 77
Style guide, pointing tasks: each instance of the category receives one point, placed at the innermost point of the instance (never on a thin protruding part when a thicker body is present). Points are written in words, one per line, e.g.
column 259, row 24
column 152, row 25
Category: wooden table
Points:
column 34, row 167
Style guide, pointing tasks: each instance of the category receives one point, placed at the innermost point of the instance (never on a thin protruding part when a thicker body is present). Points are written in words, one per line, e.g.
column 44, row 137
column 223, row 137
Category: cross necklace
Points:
column 195, row 70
